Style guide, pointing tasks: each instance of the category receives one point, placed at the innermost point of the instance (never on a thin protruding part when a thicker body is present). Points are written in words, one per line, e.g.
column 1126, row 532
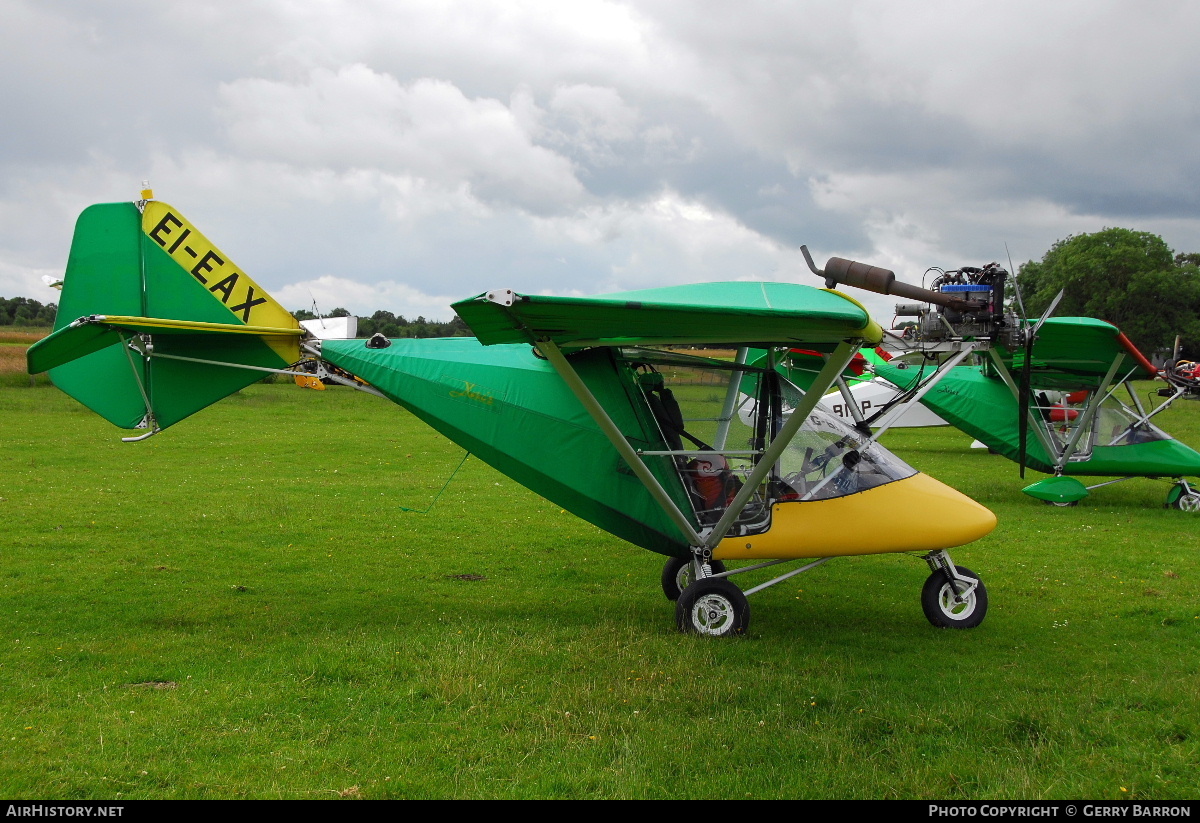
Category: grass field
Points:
column 240, row 608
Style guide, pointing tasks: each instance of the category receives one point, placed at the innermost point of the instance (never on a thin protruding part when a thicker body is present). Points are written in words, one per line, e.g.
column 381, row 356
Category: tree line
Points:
column 21, row 311
column 1130, row 278
column 395, row 325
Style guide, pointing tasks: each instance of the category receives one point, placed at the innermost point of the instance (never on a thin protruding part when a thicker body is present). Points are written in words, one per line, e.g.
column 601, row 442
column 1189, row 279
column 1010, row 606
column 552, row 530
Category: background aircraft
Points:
column 1056, row 395
column 691, row 457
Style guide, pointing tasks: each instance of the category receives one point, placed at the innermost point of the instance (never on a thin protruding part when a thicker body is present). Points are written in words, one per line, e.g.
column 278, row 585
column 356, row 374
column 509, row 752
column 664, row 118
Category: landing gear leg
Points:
column 705, row 605
column 678, row 574
column 953, row 597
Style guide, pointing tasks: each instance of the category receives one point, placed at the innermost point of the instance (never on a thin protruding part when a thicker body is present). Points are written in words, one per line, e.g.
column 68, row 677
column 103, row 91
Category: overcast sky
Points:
column 403, row 154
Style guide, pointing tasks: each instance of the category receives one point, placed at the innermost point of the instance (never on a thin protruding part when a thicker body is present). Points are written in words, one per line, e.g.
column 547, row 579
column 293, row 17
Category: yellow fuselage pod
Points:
column 914, row 514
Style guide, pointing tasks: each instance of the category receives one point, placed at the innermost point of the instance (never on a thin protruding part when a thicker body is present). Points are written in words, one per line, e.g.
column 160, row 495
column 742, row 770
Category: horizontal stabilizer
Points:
column 90, row 334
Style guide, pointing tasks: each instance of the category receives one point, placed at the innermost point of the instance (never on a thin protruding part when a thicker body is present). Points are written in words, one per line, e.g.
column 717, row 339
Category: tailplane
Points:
column 155, row 322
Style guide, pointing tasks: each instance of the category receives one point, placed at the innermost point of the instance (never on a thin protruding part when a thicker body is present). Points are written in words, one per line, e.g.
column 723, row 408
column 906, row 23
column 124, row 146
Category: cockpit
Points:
column 716, row 417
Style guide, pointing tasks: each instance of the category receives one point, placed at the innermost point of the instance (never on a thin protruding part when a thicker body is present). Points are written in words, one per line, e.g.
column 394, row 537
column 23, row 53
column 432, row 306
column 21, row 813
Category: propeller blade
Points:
column 1045, row 316
column 1016, row 286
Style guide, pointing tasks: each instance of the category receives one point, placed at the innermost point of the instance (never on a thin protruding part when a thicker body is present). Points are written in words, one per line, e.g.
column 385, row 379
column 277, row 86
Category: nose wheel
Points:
column 958, row 605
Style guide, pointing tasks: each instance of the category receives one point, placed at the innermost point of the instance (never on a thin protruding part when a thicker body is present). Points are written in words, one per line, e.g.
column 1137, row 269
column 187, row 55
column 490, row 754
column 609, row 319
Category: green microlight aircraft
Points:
column 1061, row 379
column 703, row 459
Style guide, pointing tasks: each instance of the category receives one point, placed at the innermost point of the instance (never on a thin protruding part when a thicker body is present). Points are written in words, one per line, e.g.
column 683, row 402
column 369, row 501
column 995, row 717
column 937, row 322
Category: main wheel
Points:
column 677, row 575
column 1189, row 501
column 716, row 608
column 940, row 609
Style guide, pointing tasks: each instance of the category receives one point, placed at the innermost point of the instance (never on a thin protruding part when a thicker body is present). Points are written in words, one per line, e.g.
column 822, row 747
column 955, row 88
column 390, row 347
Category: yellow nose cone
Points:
column 914, row 514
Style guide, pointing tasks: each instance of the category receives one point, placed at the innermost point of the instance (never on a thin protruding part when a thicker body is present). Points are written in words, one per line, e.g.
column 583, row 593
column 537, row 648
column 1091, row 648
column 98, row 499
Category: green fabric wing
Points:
column 700, row 313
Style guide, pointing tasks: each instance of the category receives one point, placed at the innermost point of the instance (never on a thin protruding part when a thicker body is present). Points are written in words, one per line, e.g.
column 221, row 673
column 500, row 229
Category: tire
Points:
column 677, row 575
column 940, row 608
column 714, row 608
column 1188, row 502
column 1062, row 504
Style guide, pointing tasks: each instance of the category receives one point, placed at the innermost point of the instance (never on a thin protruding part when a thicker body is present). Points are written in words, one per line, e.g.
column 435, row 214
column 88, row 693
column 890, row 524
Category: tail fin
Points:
column 155, row 322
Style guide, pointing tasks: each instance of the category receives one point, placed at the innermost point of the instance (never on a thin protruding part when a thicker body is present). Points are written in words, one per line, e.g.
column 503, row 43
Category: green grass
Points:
column 239, row 608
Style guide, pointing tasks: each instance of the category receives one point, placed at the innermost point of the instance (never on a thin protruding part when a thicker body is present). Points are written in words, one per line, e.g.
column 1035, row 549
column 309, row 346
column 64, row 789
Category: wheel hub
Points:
column 712, row 614
column 955, row 605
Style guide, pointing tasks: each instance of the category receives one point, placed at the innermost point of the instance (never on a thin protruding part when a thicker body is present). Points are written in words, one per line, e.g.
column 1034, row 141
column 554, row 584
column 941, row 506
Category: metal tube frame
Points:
column 893, row 417
column 731, row 395
column 851, row 403
column 322, row 373
column 704, row 544
column 699, row 452
column 1035, row 422
column 821, row 383
column 1089, row 413
column 1180, row 391
column 772, row 581
column 128, row 343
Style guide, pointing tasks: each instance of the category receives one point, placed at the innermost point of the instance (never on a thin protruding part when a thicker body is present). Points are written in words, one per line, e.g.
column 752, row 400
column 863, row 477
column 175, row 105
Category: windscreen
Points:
column 828, row 458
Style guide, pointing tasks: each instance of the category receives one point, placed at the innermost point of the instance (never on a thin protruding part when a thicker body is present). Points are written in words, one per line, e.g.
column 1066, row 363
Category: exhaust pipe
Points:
column 883, row 281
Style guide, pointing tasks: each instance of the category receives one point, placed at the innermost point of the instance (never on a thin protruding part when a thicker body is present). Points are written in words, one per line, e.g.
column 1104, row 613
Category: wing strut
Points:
column 1002, row 370
column 731, row 396
column 1026, row 376
column 941, row 371
column 824, row 379
column 571, row 377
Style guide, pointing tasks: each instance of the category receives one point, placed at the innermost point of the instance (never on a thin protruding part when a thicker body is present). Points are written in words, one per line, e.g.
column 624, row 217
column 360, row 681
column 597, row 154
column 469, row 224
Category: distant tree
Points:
column 22, row 311
column 1187, row 259
column 395, row 325
column 1129, row 278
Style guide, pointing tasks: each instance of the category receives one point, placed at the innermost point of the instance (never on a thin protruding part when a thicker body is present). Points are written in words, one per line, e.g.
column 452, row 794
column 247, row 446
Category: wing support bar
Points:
column 825, row 378
column 731, row 396
column 897, row 413
column 894, row 417
column 575, row 383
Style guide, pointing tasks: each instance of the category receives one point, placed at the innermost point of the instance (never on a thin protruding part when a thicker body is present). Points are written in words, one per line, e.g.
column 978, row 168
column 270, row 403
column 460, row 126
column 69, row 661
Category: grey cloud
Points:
column 456, row 146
